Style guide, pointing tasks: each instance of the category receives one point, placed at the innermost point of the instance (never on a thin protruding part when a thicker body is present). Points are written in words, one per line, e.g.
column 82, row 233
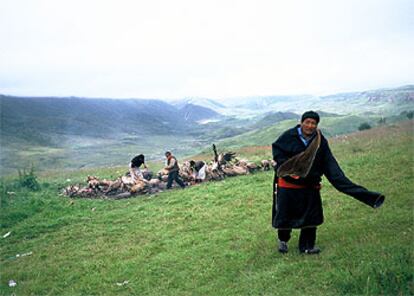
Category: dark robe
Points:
column 298, row 208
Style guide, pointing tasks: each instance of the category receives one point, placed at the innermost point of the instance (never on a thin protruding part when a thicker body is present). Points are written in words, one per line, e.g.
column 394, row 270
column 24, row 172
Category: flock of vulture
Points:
column 223, row 165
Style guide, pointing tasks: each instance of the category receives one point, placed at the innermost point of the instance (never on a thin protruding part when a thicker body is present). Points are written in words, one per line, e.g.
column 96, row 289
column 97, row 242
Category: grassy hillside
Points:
column 216, row 238
column 88, row 153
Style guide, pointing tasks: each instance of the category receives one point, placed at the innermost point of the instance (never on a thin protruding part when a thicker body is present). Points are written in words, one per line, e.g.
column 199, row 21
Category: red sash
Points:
column 282, row 183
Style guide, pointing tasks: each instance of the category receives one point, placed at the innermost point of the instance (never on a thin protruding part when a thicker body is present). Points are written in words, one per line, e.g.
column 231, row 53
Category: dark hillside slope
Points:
column 191, row 112
column 22, row 116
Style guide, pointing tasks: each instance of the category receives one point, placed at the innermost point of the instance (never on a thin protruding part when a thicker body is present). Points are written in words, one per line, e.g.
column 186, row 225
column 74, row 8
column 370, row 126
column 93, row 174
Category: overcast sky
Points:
column 173, row 49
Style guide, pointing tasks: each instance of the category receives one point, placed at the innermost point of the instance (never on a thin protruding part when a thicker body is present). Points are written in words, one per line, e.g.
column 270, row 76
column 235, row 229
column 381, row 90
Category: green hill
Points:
column 216, row 238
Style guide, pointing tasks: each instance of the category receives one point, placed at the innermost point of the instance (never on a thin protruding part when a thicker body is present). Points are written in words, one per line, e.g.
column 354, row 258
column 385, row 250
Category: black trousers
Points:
column 173, row 176
column 307, row 237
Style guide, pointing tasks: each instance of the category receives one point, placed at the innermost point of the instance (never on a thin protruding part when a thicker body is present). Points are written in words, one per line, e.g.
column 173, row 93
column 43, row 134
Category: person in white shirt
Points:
column 199, row 170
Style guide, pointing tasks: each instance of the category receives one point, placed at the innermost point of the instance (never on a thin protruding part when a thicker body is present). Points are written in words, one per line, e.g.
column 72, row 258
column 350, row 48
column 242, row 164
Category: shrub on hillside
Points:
column 28, row 180
column 409, row 114
column 364, row 126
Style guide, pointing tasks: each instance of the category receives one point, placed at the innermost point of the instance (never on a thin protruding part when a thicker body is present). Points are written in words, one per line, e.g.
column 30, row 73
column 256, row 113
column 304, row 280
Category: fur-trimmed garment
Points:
column 298, row 208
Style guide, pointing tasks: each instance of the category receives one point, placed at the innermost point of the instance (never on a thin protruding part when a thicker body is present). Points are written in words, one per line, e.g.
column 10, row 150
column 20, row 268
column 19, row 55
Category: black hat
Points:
column 310, row 114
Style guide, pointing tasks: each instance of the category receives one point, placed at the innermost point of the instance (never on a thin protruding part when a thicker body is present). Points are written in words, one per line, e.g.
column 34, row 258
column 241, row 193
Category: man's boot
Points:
column 283, row 247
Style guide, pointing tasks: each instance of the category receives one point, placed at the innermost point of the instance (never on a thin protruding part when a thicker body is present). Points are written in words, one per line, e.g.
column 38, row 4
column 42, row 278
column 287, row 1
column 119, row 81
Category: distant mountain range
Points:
column 39, row 118
column 100, row 130
column 385, row 101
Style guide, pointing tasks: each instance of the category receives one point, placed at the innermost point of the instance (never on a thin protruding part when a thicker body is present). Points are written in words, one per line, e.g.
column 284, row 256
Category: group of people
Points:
column 198, row 169
column 302, row 155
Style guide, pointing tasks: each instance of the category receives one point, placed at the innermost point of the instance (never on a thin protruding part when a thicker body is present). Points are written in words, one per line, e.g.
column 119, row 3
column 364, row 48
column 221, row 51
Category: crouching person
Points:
column 135, row 167
column 173, row 169
column 199, row 170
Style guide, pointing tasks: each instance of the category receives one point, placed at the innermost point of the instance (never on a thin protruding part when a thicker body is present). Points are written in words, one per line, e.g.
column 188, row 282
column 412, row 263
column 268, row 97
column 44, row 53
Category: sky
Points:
column 216, row 49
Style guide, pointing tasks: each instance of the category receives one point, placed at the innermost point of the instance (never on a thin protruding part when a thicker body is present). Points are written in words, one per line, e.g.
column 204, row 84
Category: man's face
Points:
column 308, row 126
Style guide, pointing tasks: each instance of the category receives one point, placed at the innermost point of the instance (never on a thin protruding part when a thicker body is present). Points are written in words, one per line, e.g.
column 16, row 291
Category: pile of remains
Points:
column 223, row 165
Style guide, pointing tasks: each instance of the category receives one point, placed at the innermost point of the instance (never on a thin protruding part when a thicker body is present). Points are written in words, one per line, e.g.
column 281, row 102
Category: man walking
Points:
column 303, row 155
column 173, row 169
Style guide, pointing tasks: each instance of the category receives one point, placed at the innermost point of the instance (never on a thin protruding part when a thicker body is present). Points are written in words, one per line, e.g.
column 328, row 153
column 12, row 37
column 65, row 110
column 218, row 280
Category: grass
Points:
column 216, row 238
column 92, row 154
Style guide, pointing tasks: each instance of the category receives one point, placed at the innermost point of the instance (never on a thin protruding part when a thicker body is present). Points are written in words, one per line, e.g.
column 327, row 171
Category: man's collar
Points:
column 299, row 129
